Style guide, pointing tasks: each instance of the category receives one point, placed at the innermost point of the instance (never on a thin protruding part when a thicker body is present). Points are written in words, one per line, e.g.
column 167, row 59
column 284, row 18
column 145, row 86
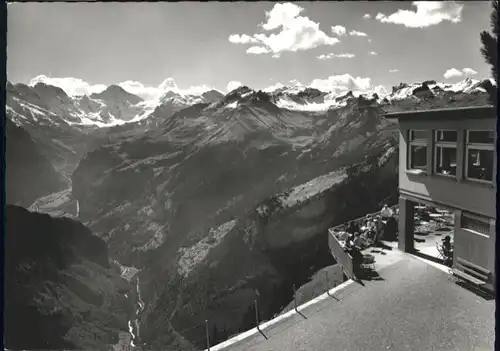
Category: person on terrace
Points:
column 370, row 223
column 357, row 256
column 352, row 227
column 386, row 212
column 358, row 240
column 447, row 250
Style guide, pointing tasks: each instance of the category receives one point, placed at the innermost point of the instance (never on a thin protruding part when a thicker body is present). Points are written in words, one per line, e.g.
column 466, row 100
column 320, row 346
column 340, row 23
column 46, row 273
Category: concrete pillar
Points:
column 461, row 154
column 493, row 236
column 457, row 223
column 430, row 152
column 406, row 225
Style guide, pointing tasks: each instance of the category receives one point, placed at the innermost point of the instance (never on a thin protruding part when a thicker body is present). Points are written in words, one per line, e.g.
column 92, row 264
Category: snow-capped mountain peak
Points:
column 49, row 91
column 212, row 95
column 116, row 93
column 430, row 88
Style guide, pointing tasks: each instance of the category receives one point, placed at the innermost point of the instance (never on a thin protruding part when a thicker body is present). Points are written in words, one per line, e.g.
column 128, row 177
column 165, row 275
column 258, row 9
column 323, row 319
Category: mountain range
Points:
column 116, row 106
column 212, row 197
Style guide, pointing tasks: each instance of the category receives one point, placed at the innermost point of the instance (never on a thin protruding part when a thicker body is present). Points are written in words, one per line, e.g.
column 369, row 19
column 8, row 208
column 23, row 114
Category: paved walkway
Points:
column 414, row 307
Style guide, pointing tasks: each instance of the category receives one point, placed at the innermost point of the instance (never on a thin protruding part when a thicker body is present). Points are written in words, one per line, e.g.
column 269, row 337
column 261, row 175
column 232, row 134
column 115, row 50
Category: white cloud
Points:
column 332, row 55
column 76, row 86
column 242, row 39
column 296, row 83
column 257, row 50
column 338, row 30
column 338, row 84
column 137, row 88
column 341, row 83
column 380, row 90
column 367, row 16
column 151, row 92
column 233, row 85
column 373, row 53
column 469, row 71
column 71, row 86
column 393, row 70
column 169, row 84
column 428, row 13
column 452, row 72
column 357, row 34
column 296, row 33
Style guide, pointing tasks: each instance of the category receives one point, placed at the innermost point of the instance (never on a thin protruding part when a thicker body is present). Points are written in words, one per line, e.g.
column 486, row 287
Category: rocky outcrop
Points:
column 29, row 175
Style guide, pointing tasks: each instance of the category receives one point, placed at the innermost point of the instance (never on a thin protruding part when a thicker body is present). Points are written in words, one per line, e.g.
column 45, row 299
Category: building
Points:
column 447, row 160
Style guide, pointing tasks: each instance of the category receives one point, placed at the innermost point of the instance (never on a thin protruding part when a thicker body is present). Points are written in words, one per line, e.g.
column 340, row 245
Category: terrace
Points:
column 410, row 303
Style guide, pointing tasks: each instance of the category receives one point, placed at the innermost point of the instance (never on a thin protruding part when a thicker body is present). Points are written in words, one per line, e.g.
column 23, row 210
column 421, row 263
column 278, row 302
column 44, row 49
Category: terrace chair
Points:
column 368, row 262
column 441, row 255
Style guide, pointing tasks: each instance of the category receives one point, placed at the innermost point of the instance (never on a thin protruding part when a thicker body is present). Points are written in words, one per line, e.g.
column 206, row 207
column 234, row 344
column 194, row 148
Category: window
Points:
column 445, row 159
column 475, row 224
column 479, row 155
column 417, row 152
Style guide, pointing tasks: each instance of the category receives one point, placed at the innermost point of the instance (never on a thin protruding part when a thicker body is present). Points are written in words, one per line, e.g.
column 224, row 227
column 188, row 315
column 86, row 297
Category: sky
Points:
column 189, row 46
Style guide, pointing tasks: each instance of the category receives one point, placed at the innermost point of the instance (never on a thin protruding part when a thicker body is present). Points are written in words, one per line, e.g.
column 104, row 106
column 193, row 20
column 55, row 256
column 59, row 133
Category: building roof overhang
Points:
column 473, row 112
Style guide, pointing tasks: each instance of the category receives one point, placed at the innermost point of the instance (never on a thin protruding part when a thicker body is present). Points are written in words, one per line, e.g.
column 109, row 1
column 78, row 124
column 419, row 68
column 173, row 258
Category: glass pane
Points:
column 418, row 135
column 418, row 157
column 446, row 160
column 447, row 135
column 480, row 164
column 481, row 136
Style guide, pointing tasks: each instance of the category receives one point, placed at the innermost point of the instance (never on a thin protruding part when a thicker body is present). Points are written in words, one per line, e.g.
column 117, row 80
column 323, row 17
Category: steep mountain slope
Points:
column 29, row 175
column 41, row 101
column 66, row 127
column 260, row 254
column 161, row 111
column 119, row 104
column 60, row 290
column 62, row 143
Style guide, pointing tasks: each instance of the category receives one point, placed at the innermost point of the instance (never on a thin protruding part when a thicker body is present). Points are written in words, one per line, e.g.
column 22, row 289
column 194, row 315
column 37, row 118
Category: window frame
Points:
column 416, row 142
column 478, row 146
column 444, row 144
column 478, row 218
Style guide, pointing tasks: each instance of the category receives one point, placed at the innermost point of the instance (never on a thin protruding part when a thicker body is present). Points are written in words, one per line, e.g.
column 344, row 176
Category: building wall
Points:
column 457, row 193
column 475, row 247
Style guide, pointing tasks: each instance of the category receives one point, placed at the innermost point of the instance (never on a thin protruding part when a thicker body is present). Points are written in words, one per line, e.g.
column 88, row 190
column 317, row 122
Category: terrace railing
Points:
column 359, row 221
column 337, row 247
column 343, row 258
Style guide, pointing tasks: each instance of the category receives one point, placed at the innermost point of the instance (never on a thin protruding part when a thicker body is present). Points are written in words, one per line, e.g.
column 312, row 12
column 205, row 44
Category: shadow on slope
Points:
column 29, row 175
column 60, row 290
